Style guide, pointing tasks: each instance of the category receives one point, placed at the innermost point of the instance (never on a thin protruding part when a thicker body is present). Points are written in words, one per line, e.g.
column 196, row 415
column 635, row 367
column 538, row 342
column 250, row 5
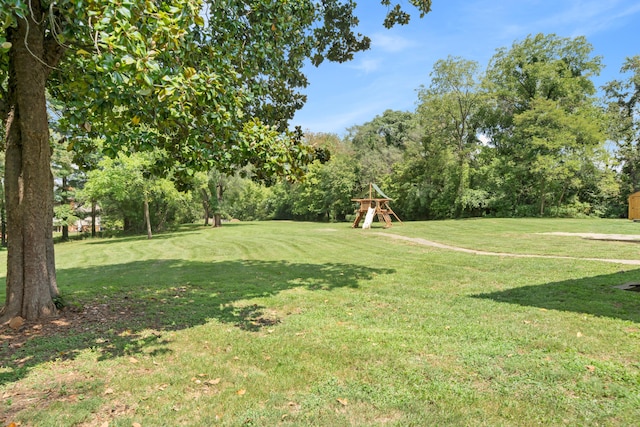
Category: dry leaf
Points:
column 579, row 334
column 241, row 392
column 590, row 368
column 105, row 424
column 213, row 382
column 343, row 402
column 136, row 425
column 109, row 391
column 16, row 322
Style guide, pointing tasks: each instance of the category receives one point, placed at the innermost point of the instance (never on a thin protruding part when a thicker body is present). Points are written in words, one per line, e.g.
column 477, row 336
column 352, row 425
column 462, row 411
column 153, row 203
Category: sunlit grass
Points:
column 531, row 236
column 286, row 323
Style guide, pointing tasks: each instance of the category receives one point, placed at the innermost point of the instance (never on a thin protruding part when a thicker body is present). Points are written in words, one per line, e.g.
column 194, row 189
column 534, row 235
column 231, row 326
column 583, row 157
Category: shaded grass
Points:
column 311, row 324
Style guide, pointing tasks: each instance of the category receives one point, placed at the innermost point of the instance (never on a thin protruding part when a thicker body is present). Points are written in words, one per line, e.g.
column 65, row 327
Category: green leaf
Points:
column 124, row 12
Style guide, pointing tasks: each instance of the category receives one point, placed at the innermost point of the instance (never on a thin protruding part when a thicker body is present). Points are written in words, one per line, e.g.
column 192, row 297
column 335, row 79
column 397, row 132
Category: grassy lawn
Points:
column 281, row 323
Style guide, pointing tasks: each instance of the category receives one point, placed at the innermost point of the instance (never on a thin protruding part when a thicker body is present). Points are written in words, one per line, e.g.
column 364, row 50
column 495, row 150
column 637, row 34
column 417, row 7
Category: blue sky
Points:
column 388, row 75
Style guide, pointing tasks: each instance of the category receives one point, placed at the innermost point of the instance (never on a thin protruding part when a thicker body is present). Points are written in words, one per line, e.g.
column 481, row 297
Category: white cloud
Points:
column 390, row 43
column 367, row 65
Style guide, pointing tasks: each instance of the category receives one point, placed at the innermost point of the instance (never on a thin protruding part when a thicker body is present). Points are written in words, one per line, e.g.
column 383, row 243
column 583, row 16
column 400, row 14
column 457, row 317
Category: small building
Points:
column 634, row 206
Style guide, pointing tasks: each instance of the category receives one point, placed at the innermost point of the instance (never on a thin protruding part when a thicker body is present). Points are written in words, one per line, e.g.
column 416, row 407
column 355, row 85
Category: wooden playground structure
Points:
column 371, row 207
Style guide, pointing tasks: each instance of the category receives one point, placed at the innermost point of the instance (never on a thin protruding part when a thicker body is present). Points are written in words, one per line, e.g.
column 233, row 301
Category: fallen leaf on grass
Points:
column 16, row 323
column 136, row 425
column 133, row 360
column 109, row 391
column 241, row 392
column 590, row 368
column 343, row 402
column 579, row 334
column 213, row 382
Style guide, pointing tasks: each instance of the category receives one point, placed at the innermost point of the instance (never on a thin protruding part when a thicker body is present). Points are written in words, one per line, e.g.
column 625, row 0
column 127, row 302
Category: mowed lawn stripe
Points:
column 284, row 323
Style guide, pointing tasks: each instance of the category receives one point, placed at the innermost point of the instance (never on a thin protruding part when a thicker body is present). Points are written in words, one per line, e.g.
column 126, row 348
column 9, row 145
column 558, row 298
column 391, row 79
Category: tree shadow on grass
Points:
column 596, row 296
column 137, row 237
column 124, row 309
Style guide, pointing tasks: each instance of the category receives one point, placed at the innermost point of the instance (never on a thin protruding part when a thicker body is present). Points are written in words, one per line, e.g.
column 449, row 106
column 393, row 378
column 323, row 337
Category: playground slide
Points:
column 369, row 218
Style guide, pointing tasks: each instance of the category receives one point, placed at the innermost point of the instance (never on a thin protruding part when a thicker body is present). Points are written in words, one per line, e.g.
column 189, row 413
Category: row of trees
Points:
column 529, row 136
column 526, row 137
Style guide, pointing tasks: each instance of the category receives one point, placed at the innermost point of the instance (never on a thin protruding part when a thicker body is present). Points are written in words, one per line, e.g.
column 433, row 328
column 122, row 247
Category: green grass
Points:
column 283, row 323
column 530, row 236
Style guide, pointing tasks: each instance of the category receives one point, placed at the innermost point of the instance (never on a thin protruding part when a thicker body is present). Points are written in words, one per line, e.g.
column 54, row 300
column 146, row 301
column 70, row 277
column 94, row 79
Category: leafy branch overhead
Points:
column 190, row 77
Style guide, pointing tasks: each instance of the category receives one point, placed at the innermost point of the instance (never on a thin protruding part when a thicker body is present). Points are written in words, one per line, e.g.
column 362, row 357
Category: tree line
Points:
column 530, row 135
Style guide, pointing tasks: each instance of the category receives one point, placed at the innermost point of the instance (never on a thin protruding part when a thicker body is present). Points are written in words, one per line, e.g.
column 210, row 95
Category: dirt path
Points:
column 504, row 254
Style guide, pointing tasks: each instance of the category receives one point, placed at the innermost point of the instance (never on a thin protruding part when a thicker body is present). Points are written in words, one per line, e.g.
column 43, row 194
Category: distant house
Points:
column 80, row 225
column 634, row 206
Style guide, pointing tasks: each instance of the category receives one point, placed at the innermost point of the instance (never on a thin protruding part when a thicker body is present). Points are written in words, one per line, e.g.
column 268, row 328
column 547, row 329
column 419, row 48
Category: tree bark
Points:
column 206, row 205
column 65, row 227
column 147, row 217
column 217, row 217
column 31, row 277
column 93, row 219
column 3, row 216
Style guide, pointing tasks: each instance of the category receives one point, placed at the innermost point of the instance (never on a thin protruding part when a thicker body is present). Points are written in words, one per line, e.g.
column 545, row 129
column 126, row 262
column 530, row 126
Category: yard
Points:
column 283, row 323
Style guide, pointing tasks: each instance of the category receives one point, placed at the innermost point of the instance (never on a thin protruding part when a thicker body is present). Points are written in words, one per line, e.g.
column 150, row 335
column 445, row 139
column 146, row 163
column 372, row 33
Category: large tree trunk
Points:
column 206, row 205
column 147, row 217
column 93, row 219
column 217, row 218
column 3, row 219
column 31, row 279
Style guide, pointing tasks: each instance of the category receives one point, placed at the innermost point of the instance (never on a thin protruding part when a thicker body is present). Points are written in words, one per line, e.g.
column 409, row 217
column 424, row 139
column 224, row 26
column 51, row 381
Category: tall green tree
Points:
column 544, row 118
column 448, row 111
column 136, row 72
column 379, row 144
column 558, row 144
column 67, row 179
column 624, row 114
column 129, row 194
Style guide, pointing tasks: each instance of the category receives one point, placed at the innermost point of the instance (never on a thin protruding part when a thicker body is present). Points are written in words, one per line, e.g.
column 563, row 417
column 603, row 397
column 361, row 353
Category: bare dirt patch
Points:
column 69, row 321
